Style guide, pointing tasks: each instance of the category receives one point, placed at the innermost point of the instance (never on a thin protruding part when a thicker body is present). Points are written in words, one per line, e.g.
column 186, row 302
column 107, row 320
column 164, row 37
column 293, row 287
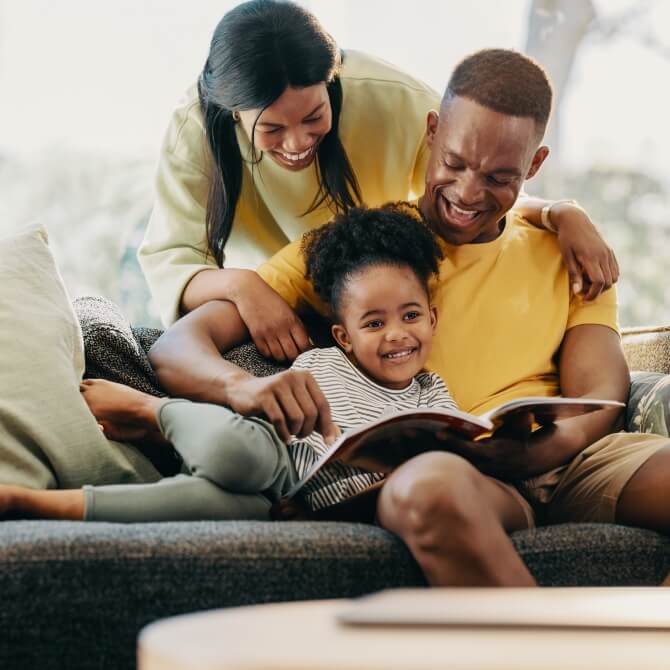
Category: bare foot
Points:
column 123, row 413
column 8, row 502
column 666, row 582
column 18, row 502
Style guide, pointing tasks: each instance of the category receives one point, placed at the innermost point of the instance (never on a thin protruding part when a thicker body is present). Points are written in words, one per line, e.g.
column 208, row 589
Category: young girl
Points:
column 371, row 267
column 282, row 130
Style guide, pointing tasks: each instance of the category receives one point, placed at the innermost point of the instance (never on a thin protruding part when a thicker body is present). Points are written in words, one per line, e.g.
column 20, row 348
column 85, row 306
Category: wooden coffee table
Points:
column 307, row 636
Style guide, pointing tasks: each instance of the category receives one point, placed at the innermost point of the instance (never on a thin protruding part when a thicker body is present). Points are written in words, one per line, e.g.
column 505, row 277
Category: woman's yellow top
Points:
column 382, row 128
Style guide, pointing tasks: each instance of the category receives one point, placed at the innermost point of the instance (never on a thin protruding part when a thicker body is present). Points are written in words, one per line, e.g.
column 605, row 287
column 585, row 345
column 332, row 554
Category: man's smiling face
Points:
column 478, row 163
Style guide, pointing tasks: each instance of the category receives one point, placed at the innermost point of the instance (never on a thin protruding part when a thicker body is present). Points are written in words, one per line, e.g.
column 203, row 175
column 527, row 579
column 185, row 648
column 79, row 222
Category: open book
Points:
column 382, row 445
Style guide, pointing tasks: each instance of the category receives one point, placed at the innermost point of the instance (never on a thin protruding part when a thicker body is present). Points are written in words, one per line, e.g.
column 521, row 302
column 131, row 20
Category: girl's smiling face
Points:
column 386, row 323
column 292, row 127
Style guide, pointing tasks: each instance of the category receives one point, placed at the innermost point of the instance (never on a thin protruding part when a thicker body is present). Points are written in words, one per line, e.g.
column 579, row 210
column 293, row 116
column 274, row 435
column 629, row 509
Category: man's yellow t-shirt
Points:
column 503, row 310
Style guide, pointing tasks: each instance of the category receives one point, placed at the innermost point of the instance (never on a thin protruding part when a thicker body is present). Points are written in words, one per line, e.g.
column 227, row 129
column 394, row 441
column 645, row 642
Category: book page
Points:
column 548, row 410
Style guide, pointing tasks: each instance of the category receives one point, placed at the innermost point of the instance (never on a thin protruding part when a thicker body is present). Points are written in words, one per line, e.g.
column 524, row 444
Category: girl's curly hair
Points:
column 394, row 234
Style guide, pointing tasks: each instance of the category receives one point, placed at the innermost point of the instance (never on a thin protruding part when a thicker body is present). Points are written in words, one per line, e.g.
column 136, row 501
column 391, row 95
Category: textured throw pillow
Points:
column 117, row 352
column 648, row 408
column 48, row 437
column 112, row 351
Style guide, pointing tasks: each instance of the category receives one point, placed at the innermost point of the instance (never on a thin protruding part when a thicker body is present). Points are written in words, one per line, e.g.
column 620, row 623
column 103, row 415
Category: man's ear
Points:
column 432, row 121
column 341, row 336
column 539, row 158
column 433, row 318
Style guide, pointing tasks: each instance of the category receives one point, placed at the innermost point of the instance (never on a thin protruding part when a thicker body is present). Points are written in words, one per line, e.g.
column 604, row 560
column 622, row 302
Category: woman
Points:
column 283, row 130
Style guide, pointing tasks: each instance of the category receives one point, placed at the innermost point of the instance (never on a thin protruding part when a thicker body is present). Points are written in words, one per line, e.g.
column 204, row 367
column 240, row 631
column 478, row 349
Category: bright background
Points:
column 88, row 87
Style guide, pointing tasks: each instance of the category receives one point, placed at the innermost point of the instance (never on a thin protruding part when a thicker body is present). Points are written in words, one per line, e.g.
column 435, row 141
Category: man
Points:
column 509, row 326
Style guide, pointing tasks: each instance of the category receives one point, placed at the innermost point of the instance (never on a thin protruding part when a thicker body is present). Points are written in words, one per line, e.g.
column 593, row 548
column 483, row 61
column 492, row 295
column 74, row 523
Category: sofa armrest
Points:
column 647, row 348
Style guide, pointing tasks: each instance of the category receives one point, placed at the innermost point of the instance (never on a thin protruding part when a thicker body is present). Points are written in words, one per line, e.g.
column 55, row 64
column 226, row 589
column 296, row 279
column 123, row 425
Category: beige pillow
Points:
column 48, row 437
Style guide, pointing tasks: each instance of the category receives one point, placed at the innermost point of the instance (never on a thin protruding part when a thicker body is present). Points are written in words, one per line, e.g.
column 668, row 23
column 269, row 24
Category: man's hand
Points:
column 508, row 454
column 506, row 458
column 292, row 401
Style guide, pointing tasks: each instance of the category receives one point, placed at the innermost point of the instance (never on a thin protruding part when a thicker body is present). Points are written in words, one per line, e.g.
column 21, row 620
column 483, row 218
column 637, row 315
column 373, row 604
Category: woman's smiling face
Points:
column 291, row 128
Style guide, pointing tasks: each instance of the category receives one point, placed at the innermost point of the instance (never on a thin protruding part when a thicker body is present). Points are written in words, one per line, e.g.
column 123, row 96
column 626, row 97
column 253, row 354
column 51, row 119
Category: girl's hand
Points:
column 591, row 264
column 273, row 326
column 291, row 401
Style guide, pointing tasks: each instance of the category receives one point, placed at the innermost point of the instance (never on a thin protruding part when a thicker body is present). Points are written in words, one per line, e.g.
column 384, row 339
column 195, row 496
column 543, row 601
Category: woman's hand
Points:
column 591, row 264
column 273, row 326
column 291, row 401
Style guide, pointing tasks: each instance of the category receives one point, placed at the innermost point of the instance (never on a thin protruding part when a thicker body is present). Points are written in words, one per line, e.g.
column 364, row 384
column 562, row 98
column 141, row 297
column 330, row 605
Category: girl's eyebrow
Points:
column 382, row 311
column 279, row 125
column 370, row 312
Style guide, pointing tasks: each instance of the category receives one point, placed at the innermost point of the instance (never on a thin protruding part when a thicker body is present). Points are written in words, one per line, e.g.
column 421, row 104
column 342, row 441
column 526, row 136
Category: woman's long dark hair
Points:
column 259, row 49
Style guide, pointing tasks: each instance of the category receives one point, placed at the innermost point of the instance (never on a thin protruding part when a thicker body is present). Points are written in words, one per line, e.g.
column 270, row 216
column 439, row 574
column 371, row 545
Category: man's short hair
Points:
column 505, row 81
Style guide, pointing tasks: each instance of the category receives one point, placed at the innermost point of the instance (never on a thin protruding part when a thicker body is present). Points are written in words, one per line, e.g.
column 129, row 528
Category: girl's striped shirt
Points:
column 354, row 401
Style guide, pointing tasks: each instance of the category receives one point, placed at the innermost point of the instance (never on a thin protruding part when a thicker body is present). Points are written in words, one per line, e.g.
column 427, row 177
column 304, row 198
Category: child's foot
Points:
column 18, row 502
column 8, row 502
column 123, row 413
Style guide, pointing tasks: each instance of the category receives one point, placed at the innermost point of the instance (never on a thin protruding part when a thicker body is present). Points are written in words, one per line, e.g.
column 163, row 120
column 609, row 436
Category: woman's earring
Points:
column 236, row 117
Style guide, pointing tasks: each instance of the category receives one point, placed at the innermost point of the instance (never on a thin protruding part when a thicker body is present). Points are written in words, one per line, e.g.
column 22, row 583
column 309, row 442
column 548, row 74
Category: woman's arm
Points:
column 272, row 325
column 187, row 359
column 591, row 263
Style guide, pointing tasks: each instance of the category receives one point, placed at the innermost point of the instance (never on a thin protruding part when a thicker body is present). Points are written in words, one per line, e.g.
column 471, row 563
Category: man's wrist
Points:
column 556, row 445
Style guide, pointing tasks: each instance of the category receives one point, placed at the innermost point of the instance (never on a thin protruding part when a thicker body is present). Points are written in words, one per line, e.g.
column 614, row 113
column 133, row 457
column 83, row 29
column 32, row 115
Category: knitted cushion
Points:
column 112, row 352
column 117, row 352
column 647, row 348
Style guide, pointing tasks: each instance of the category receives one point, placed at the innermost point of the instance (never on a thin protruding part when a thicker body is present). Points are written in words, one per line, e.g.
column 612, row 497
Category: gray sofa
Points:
column 75, row 595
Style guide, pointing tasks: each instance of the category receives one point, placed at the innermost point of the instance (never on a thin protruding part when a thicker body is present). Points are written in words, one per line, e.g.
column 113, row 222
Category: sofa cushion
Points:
column 117, row 352
column 648, row 408
column 48, row 437
column 647, row 349
column 112, row 351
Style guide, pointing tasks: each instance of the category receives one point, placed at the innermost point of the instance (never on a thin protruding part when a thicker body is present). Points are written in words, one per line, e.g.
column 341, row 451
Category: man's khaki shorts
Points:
column 587, row 488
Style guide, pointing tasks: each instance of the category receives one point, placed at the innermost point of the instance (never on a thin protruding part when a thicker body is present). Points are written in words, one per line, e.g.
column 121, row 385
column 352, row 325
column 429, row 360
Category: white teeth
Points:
column 464, row 212
column 399, row 354
column 296, row 157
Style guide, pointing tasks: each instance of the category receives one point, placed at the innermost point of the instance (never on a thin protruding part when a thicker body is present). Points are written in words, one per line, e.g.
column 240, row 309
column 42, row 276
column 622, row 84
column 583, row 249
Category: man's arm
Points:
column 187, row 356
column 591, row 365
column 187, row 359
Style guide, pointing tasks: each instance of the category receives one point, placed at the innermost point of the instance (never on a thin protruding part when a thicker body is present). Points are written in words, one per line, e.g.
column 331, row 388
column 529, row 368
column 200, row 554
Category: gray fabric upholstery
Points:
column 75, row 595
